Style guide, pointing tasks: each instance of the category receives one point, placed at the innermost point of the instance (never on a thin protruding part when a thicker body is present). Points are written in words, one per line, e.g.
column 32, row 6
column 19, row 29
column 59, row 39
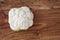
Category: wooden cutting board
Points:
column 46, row 21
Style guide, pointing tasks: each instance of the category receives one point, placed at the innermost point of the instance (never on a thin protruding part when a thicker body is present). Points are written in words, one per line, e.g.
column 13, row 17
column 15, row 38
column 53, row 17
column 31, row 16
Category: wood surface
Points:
column 46, row 21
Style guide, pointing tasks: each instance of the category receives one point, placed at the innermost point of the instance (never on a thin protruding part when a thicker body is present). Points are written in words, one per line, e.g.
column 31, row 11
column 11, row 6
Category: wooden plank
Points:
column 46, row 21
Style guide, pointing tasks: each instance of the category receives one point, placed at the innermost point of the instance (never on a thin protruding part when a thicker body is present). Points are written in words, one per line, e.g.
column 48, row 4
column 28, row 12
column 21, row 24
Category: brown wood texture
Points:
column 46, row 21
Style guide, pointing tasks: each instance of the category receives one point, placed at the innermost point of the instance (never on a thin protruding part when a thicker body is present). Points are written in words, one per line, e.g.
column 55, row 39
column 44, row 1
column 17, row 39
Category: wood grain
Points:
column 46, row 21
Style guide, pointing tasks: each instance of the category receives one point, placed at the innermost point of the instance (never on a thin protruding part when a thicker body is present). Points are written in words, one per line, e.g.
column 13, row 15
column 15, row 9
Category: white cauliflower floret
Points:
column 20, row 18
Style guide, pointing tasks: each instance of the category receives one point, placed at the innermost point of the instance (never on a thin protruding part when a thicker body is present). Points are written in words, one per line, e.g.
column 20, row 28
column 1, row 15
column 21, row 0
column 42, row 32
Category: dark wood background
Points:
column 46, row 21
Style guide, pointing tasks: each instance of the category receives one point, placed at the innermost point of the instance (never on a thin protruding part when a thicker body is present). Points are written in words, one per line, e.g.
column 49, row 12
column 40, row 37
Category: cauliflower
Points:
column 20, row 18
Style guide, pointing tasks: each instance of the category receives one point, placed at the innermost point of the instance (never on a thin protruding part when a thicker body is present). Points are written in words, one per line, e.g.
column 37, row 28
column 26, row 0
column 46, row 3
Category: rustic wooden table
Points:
column 46, row 22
